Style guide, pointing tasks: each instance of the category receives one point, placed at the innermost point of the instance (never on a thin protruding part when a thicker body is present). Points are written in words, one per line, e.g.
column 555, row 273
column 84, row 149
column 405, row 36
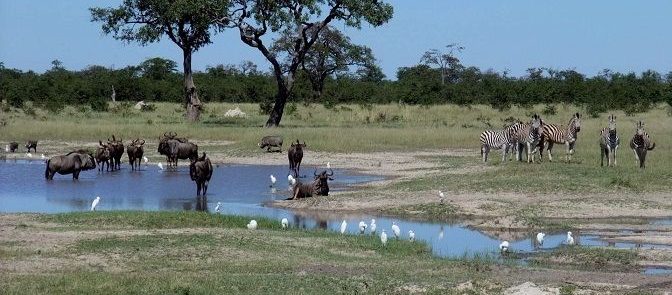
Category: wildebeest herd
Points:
column 107, row 157
column 535, row 135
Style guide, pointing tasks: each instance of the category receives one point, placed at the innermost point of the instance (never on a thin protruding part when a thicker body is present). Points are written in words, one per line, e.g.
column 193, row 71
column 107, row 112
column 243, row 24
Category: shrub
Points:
column 549, row 110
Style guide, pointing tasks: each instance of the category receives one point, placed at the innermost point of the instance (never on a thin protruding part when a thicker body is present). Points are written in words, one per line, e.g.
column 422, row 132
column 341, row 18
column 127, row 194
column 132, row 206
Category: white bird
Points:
column 540, row 238
column 344, row 225
column 285, row 223
column 570, row 239
column 362, row 227
column 29, row 155
column 441, row 196
column 273, row 180
column 43, row 156
column 217, row 208
column 504, row 247
column 396, row 230
column 328, row 165
column 144, row 158
column 95, row 203
column 290, row 178
column 411, row 235
column 373, row 226
column 441, row 234
column 160, row 166
column 383, row 238
column 7, row 148
column 252, row 224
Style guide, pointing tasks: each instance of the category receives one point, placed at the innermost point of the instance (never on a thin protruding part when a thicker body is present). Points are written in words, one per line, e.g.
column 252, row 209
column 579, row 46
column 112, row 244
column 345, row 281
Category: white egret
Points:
column 362, row 227
column 570, row 238
column 504, row 247
column 160, row 166
column 540, row 238
column 285, row 223
column 217, row 208
column 373, row 226
column 95, row 203
column 7, row 148
column 43, row 156
column 273, row 180
column 383, row 238
column 252, row 224
column 344, row 225
column 411, row 235
column 396, row 230
column 29, row 155
column 328, row 165
column 290, row 178
column 144, row 158
column 441, row 196
column 441, row 234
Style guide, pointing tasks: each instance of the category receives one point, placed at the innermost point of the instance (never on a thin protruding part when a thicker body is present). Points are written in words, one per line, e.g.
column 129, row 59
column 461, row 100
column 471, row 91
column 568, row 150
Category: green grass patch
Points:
column 432, row 211
column 589, row 258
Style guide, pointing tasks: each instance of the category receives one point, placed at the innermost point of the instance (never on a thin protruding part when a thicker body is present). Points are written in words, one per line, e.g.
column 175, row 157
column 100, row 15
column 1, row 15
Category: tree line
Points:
column 158, row 80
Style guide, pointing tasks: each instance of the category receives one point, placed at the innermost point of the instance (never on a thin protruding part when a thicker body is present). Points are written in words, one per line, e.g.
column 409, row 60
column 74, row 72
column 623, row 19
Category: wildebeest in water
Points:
column 200, row 171
column 13, row 146
column 135, row 152
column 295, row 155
column 71, row 163
column 103, row 155
column 31, row 144
column 319, row 186
column 176, row 148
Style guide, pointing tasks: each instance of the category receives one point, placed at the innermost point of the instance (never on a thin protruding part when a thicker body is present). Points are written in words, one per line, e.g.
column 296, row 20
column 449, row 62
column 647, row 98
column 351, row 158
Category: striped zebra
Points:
column 562, row 135
column 609, row 142
column 641, row 143
column 527, row 137
column 497, row 139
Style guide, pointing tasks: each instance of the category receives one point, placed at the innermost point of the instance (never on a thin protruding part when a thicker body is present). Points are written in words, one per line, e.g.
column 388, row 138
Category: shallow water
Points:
column 242, row 190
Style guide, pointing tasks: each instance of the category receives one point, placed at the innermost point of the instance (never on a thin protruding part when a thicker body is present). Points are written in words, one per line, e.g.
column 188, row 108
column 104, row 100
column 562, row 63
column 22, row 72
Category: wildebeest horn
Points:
column 165, row 134
column 143, row 141
column 172, row 134
column 332, row 172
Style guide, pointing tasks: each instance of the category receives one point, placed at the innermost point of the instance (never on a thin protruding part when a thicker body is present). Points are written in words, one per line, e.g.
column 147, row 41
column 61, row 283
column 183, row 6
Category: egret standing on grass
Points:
column 273, row 180
column 383, row 238
column 504, row 247
column 396, row 230
column 540, row 238
column 570, row 239
column 373, row 227
column 217, row 208
column 252, row 224
column 411, row 235
column 362, row 227
column 441, row 196
column 95, row 203
column 284, row 222
column 344, row 225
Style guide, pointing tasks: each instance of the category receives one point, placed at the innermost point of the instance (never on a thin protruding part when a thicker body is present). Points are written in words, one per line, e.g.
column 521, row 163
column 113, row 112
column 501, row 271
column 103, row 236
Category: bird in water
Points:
column 504, row 247
column 273, row 180
column 217, row 208
column 95, row 203
column 144, row 158
column 160, row 166
column 344, row 226
column 570, row 238
column 328, row 165
column 540, row 238
column 396, row 230
column 362, row 227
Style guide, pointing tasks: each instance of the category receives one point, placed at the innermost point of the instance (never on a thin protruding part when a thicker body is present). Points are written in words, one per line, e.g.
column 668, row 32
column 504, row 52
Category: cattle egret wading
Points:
column 396, row 230
column 570, row 238
column 504, row 247
column 344, row 226
column 373, row 226
column 273, row 180
column 217, row 208
column 160, row 166
column 285, row 223
column 540, row 238
column 362, row 227
column 95, row 203
column 144, row 158
column 7, row 148
column 328, row 165
column 29, row 155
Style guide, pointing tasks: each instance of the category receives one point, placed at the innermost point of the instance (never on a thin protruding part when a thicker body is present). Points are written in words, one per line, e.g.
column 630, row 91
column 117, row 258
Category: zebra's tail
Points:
column 653, row 145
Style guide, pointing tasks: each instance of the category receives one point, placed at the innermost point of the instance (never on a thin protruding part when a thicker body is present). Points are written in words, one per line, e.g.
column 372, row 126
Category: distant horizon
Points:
column 512, row 36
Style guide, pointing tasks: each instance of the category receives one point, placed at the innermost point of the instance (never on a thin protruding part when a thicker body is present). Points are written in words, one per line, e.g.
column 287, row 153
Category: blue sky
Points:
column 587, row 36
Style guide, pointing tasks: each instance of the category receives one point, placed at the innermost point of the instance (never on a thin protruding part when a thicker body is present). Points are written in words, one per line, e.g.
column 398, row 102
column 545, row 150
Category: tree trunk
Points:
column 191, row 101
column 279, row 106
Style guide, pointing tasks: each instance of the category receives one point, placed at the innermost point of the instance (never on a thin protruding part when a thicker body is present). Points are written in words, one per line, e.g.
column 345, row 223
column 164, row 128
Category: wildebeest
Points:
column 295, row 155
column 319, row 186
column 200, row 171
column 31, row 144
column 13, row 146
column 176, row 148
column 135, row 152
column 271, row 141
column 103, row 156
column 116, row 151
column 72, row 163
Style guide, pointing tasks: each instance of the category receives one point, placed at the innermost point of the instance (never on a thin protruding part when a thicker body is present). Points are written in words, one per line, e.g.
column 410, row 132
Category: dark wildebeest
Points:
column 295, row 155
column 177, row 148
column 31, row 144
column 116, row 152
column 103, row 156
column 271, row 141
column 319, row 186
column 13, row 146
column 201, row 172
column 135, row 152
column 72, row 163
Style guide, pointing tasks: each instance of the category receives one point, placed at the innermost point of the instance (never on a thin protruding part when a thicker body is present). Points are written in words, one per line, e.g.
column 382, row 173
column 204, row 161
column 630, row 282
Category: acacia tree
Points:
column 332, row 53
column 187, row 23
column 447, row 62
column 302, row 21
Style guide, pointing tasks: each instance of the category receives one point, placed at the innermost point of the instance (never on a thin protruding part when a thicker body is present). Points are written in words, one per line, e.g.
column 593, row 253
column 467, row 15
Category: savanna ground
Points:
column 420, row 149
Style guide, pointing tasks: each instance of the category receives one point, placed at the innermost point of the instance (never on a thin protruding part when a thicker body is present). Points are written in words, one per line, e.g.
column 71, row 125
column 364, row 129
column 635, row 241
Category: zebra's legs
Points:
column 505, row 150
column 636, row 156
column 614, row 152
column 602, row 150
column 485, row 149
column 549, row 148
column 570, row 152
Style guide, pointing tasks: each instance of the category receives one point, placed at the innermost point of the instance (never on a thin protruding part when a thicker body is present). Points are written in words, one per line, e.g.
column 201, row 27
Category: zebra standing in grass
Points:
column 641, row 143
column 527, row 137
column 498, row 139
column 561, row 135
column 609, row 142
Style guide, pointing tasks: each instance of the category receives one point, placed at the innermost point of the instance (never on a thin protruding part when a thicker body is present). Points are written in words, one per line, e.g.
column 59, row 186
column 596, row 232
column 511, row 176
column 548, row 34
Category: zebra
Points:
column 497, row 139
column 527, row 137
column 562, row 135
column 641, row 143
column 609, row 142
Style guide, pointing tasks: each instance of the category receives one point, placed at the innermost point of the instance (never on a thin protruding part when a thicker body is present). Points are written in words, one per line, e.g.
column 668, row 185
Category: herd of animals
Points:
column 536, row 135
column 107, row 157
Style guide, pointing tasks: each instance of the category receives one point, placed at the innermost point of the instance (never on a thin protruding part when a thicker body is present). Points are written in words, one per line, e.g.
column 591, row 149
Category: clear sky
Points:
column 587, row 36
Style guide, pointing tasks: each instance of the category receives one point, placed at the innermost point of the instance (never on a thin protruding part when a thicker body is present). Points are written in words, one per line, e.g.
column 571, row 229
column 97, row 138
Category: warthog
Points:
column 31, row 144
column 116, row 151
column 103, row 156
column 72, row 163
column 319, row 186
column 135, row 152
column 295, row 155
column 13, row 146
column 271, row 141
column 177, row 148
column 200, row 171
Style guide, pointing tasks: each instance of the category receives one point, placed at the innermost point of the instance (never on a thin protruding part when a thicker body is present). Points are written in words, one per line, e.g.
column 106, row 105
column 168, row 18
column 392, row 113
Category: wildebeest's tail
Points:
column 46, row 170
column 653, row 145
